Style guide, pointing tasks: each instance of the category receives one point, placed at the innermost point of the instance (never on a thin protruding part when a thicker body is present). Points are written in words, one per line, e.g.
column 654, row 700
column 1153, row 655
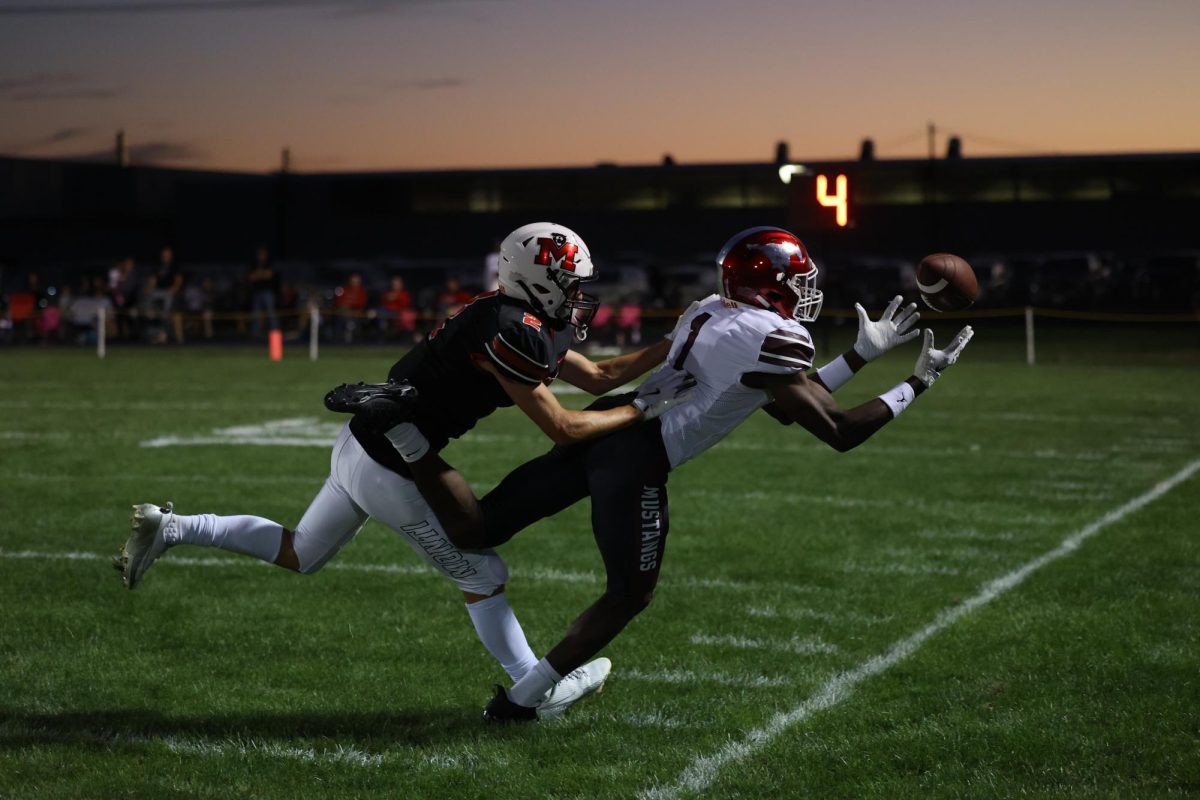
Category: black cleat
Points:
column 380, row 406
column 502, row 711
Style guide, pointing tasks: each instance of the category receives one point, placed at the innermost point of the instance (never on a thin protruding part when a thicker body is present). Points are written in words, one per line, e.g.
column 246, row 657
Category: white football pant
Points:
column 357, row 489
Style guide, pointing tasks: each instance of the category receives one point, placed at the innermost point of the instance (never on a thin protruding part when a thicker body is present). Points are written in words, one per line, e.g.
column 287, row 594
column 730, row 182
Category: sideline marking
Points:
column 703, row 770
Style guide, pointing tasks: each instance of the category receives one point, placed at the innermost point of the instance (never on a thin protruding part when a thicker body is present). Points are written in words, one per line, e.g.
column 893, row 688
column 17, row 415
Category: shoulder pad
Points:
column 520, row 349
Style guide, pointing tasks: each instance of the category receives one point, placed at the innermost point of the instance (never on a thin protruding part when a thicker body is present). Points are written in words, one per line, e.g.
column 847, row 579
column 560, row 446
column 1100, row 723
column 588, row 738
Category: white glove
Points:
column 670, row 337
column 876, row 338
column 931, row 363
column 656, row 396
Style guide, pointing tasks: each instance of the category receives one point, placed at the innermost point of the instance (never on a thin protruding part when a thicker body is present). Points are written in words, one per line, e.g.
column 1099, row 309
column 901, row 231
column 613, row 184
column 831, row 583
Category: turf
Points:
column 787, row 564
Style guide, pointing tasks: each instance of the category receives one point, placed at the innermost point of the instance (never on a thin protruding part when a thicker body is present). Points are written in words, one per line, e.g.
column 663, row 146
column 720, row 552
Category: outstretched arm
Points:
column 565, row 425
column 449, row 494
column 895, row 326
column 797, row 398
column 601, row 377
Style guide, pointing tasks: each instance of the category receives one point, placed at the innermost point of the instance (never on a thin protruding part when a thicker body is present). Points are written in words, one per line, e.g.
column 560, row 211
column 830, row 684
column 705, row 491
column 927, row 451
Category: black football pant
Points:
column 625, row 473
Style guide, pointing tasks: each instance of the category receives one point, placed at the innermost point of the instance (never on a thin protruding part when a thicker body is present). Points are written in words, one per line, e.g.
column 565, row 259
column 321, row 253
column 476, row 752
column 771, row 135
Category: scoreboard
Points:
column 1135, row 202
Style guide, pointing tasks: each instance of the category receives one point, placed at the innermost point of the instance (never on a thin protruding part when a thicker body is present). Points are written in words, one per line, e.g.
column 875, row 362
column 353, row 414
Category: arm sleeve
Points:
column 786, row 351
column 520, row 353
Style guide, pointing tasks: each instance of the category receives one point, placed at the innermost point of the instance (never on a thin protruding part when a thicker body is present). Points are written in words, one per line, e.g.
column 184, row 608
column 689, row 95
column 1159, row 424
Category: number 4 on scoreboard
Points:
column 840, row 200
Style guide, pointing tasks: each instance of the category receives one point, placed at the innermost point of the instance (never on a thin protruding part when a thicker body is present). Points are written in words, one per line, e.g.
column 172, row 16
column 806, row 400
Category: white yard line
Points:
column 771, row 612
column 810, row 645
column 692, row 676
column 525, row 573
column 198, row 746
column 704, row 769
column 456, row 759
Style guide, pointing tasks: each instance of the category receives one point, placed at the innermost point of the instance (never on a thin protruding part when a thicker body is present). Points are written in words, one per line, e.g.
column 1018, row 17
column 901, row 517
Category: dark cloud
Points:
column 372, row 93
column 38, row 81
column 51, row 86
column 57, row 137
column 148, row 153
column 429, row 84
column 168, row 6
column 64, row 135
column 66, row 94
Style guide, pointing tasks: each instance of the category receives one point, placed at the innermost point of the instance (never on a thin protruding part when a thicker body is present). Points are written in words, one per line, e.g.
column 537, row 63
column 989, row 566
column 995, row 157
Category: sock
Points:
column 409, row 442
column 501, row 634
column 530, row 689
column 251, row 536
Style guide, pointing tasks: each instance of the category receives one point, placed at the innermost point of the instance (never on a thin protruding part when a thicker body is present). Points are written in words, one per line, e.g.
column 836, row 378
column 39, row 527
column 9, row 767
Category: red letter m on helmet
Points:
column 556, row 249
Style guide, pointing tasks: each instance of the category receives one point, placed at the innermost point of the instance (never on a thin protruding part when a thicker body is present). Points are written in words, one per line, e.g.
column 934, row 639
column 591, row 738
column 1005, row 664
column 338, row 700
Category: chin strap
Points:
column 533, row 301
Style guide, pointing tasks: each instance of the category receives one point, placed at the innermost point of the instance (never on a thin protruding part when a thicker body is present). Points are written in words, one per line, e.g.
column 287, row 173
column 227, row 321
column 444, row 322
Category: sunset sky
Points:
column 396, row 84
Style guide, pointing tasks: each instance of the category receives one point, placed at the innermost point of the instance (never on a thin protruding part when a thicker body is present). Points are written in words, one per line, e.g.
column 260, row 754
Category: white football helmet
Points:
column 544, row 265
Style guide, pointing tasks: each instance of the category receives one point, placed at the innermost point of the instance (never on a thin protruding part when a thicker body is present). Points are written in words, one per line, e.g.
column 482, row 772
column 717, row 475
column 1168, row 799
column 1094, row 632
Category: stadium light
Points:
column 786, row 171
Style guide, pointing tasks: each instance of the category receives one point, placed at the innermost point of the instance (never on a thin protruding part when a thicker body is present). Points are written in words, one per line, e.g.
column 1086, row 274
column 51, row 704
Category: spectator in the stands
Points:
column 82, row 311
column 198, row 302
column 23, row 308
column 396, row 310
column 350, row 305
column 263, row 282
column 491, row 268
column 168, row 281
column 123, row 290
column 151, row 312
column 49, row 313
column 629, row 322
column 451, row 299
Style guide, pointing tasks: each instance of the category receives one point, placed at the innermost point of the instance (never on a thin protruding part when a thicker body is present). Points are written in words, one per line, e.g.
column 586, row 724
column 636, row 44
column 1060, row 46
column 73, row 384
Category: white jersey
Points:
column 718, row 343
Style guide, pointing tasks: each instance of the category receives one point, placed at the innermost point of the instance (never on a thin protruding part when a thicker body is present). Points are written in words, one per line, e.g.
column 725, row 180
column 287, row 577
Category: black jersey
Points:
column 454, row 393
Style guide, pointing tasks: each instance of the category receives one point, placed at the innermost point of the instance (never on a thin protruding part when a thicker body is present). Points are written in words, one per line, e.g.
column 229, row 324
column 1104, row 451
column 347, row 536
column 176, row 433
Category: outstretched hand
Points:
column 933, row 362
column 894, row 327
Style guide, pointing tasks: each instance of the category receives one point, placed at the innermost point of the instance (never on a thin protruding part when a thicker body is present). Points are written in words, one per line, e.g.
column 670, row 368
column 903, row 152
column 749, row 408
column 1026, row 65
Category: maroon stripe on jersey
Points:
column 516, row 362
column 797, row 357
column 787, row 347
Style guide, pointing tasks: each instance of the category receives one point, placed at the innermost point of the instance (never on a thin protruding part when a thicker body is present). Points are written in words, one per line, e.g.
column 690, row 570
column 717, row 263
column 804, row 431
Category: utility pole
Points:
column 931, row 130
column 122, row 150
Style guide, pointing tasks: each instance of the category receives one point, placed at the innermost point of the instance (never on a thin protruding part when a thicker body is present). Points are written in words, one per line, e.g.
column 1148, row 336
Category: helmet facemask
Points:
column 808, row 297
column 577, row 307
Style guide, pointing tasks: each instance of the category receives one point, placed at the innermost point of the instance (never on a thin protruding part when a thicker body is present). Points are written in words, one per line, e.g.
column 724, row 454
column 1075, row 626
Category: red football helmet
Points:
column 770, row 268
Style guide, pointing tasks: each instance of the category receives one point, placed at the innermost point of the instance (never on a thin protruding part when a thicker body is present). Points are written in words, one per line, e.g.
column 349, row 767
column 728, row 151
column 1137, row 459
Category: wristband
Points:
column 835, row 374
column 409, row 442
column 898, row 397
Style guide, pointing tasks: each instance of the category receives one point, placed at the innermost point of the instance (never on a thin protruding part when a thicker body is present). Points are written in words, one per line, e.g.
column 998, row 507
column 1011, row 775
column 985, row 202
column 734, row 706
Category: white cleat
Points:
column 146, row 543
column 577, row 685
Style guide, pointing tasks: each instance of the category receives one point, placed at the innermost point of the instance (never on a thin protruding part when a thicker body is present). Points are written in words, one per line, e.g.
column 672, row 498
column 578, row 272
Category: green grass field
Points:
column 808, row 638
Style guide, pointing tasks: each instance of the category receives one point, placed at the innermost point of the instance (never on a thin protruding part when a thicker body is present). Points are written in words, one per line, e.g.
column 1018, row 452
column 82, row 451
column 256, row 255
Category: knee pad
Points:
column 487, row 573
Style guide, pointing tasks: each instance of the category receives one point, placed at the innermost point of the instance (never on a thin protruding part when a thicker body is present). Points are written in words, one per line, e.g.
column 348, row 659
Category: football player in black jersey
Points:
column 503, row 348
column 753, row 355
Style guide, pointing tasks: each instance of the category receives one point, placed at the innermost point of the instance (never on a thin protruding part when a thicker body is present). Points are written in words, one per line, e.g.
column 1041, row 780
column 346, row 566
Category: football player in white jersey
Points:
column 747, row 349
column 504, row 348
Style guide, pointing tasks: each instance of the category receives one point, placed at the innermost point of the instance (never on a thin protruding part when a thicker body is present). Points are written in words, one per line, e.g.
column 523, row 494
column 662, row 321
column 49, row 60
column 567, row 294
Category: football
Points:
column 947, row 282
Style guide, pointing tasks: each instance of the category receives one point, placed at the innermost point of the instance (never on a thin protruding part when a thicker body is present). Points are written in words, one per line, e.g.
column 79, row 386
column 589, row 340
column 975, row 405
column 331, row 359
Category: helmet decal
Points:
column 770, row 268
column 782, row 254
column 556, row 250
column 544, row 264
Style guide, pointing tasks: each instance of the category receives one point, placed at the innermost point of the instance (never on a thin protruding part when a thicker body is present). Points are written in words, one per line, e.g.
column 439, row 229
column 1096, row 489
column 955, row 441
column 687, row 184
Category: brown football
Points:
column 947, row 282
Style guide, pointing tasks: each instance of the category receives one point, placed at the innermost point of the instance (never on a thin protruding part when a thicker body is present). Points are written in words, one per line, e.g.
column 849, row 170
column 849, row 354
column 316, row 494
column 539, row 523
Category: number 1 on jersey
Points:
column 697, row 323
